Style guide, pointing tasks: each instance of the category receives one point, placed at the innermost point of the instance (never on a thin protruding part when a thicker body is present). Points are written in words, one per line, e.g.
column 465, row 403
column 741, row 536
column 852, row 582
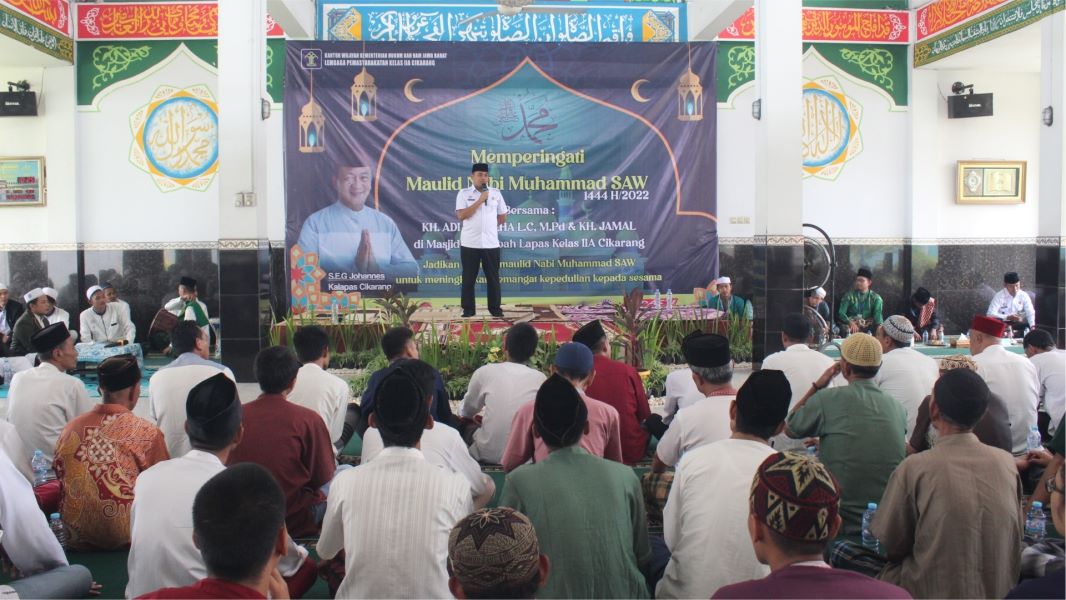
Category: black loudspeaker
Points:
column 972, row 105
column 18, row 104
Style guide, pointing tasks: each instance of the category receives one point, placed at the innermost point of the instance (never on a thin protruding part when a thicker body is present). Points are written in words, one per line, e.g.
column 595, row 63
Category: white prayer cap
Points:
column 32, row 295
column 51, row 293
column 92, row 290
column 3, row 286
column 819, row 292
column 724, row 280
column 899, row 328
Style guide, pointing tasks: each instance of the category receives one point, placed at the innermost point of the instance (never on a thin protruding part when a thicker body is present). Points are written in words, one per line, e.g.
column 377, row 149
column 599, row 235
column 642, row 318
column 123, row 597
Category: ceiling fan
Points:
column 510, row 8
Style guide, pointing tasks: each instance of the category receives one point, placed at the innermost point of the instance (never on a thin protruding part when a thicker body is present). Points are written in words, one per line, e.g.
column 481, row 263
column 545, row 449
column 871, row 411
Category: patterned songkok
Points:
column 796, row 496
column 493, row 549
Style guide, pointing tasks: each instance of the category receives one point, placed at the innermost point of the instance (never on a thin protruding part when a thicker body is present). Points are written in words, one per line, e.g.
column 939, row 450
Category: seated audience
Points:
column 111, row 293
column 168, row 388
column 619, row 385
column 1009, row 376
column 1051, row 458
column 99, row 456
column 40, row 564
column 322, row 392
column 289, row 440
column 680, row 392
column 706, row 420
column 861, row 309
column 795, row 504
column 10, row 311
column 816, row 300
column 905, row 374
column 723, row 299
column 11, row 442
column 442, row 446
column 56, row 314
column 500, row 389
column 103, row 322
column 238, row 520
column 860, row 428
column 704, row 523
column 31, row 321
column 1047, row 579
column 1012, row 304
column 188, row 307
column 494, row 553
column 800, row 364
column 920, row 310
column 993, row 428
column 399, row 343
column 588, row 511
column 1050, row 365
column 392, row 516
column 953, row 509
column 573, row 362
column 42, row 400
column 162, row 552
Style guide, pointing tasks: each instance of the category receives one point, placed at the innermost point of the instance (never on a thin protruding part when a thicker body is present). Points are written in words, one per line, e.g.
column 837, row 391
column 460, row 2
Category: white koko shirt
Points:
column 481, row 230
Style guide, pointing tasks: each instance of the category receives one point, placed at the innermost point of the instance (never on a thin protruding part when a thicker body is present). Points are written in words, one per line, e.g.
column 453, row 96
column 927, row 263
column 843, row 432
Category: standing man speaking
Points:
column 482, row 210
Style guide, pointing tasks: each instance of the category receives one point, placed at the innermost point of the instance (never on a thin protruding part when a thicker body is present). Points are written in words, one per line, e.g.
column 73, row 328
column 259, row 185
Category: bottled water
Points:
column 669, row 299
column 39, row 465
column 58, row 528
column 868, row 539
column 657, row 300
column 8, row 374
column 1035, row 523
column 1034, row 442
column 925, row 337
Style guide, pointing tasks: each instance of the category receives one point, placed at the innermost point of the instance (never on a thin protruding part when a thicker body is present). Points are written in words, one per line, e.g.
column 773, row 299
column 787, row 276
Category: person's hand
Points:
column 828, row 376
column 1039, row 457
column 364, row 256
column 277, row 587
column 484, row 197
column 807, row 443
column 853, row 327
column 1013, row 318
column 94, row 589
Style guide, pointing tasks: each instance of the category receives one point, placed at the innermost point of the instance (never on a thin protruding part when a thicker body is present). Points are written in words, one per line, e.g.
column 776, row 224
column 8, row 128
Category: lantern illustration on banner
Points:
column 364, row 104
column 689, row 97
column 312, row 121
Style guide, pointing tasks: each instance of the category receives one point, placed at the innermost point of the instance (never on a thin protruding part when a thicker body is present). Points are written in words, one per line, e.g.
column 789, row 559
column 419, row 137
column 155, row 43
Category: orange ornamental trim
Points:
column 836, row 25
column 53, row 13
column 154, row 20
column 943, row 14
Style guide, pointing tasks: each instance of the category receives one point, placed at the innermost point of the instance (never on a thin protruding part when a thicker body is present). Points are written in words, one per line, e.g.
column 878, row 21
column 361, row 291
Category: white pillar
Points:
column 923, row 216
column 1053, row 138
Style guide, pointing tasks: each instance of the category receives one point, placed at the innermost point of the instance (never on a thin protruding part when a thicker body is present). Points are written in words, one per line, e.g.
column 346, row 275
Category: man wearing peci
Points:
column 481, row 210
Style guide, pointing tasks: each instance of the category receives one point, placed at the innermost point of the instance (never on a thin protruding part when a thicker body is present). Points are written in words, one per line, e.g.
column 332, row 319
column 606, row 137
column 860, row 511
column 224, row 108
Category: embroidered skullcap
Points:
column 188, row 282
column 32, row 295
column 988, row 325
column 723, row 280
column 50, row 337
column 705, row 350
column 864, row 272
column 213, row 411
column 861, row 350
column 480, row 168
column 590, row 334
column 118, row 372
column 796, row 496
column 50, row 292
column 899, row 328
column 493, row 549
column 574, row 357
column 957, row 361
column 922, row 295
column 1011, row 277
column 92, row 290
column 559, row 412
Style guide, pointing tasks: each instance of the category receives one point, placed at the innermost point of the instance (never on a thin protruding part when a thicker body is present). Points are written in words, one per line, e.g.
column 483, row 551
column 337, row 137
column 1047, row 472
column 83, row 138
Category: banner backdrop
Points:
column 604, row 154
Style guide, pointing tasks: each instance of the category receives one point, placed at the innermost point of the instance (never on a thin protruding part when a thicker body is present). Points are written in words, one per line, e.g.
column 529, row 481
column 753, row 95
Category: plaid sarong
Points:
column 845, row 554
column 656, row 488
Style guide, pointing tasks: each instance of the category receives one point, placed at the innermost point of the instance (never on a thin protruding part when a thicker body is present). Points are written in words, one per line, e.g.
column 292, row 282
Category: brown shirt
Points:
column 993, row 428
column 950, row 521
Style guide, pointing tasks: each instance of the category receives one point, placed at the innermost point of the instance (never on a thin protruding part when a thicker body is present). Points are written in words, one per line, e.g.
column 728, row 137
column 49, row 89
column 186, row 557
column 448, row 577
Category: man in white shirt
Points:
column 189, row 307
column 42, row 400
column 481, row 210
column 1051, row 370
column 704, row 522
column 441, row 445
column 501, row 389
column 681, row 392
column 905, row 374
column 102, row 322
column 56, row 314
column 10, row 311
column 707, row 420
column 322, row 392
column 1010, row 376
column 162, row 551
column 392, row 515
column 168, row 389
column 1012, row 304
column 111, row 292
column 801, row 366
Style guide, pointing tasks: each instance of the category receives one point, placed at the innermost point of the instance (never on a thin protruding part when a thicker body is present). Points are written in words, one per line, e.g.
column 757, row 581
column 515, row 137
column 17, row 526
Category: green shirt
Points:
column 861, row 430
column 866, row 305
column 590, row 521
column 738, row 307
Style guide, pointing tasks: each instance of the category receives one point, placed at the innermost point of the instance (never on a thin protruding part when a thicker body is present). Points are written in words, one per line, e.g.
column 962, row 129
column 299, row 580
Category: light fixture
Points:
column 1048, row 115
column 959, row 87
column 264, row 108
column 756, row 109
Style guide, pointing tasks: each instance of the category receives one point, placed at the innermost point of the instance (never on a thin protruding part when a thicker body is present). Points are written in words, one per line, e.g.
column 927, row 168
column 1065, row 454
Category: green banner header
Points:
column 25, row 30
column 1001, row 21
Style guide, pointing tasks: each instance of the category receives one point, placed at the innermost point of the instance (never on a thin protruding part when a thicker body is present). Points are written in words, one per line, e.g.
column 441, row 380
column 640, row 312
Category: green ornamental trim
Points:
column 1001, row 21
column 22, row 29
column 875, row 62
column 109, row 61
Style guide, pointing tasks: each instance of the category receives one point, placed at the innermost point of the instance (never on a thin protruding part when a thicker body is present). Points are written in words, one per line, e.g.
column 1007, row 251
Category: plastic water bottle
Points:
column 669, row 299
column 657, row 300
column 8, row 374
column 1035, row 523
column 58, row 528
column 1034, row 442
column 925, row 337
column 39, row 465
column 868, row 539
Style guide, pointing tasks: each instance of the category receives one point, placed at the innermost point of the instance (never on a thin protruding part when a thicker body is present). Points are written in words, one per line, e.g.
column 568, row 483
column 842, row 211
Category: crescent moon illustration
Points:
column 408, row 90
column 635, row 90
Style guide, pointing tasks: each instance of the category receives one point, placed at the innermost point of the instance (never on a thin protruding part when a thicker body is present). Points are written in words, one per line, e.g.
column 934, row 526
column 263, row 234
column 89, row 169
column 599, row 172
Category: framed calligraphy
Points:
column 22, row 181
column 990, row 182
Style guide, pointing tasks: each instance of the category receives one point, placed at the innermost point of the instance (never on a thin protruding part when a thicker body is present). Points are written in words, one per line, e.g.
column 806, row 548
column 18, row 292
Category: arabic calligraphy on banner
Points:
column 146, row 21
column 384, row 21
column 175, row 138
column 942, row 14
column 835, row 25
column 1011, row 17
column 53, row 13
column 28, row 31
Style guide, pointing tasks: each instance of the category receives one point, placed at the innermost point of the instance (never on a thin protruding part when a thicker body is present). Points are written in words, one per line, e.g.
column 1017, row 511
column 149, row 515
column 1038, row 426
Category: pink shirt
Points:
column 603, row 438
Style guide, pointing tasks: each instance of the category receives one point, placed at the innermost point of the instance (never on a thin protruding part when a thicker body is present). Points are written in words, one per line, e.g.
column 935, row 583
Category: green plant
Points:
column 398, row 308
column 457, row 386
column 544, row 357
column 738, row 331
column 627, row 320
column 655, row 384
